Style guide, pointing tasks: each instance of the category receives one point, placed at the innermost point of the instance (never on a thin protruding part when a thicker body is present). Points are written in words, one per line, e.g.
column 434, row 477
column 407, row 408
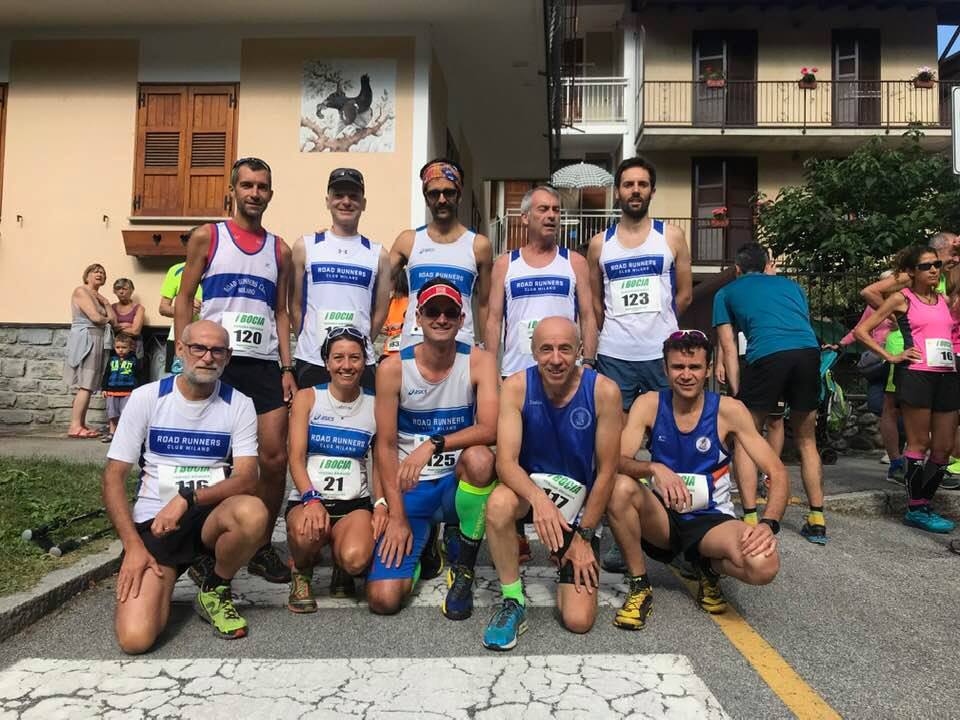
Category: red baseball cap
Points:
column 440, row 290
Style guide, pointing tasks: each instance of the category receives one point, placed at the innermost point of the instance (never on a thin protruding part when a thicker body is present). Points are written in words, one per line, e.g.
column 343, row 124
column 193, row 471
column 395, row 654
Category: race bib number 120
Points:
column 248, row 331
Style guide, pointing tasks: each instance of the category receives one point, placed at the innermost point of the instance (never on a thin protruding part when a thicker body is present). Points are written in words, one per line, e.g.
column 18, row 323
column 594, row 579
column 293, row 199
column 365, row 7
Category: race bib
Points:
column 525, row 330
column 327, row 319
column 439, row 463
column 564, row 492
column 636, row 295
column 173, row 478
column 699, row 490
column 337, row 478
column 248, row 331
column 939, row 353
column 393, row 344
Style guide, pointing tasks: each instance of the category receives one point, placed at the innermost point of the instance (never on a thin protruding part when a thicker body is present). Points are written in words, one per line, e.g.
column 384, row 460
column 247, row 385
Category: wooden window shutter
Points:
column 161, row 124
column 211, row 132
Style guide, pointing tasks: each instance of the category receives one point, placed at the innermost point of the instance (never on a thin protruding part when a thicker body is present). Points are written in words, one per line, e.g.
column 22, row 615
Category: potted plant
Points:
column 924, row 78
column 714, row 78
column 808, row 78
column 719, row 219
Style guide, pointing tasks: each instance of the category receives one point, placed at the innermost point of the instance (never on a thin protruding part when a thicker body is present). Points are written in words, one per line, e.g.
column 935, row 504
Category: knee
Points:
column 273, row 459
column 501, row 508
column 383, row 601
column 354, row 559
column 762, row 570
column 477, row 465
column 249, row 515
column 624, row 494
column 136, row 639
column 579, row 623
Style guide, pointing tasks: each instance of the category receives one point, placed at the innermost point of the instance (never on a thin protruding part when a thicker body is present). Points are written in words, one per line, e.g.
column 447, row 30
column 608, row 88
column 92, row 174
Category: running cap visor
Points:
column 440, row 290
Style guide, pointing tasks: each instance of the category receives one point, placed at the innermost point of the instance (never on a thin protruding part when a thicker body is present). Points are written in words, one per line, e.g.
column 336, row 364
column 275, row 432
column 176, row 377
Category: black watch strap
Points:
column 190, row 495
column 773, row 524
column 439, row 443
column 587, row 533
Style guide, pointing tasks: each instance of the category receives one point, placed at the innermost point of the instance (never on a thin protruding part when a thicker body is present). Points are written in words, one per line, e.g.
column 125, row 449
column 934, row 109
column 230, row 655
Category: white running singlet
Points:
column 531, row 294
column 338, row 445
column 428, row 408
column 454, row 262
column 240, row 293
column 339, row 281
column 180, row 442
column 639, row 311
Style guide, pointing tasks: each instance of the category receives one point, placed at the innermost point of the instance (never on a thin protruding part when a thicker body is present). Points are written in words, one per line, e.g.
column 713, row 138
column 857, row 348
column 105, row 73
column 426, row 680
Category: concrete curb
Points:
column 874, row 503
column 22, row 609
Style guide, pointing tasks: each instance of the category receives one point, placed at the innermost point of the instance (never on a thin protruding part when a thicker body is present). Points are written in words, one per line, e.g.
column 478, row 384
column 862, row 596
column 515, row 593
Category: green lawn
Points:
column 34, row 492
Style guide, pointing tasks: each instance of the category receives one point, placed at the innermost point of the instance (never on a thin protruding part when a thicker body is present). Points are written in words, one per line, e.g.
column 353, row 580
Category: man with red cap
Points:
column 436, row 415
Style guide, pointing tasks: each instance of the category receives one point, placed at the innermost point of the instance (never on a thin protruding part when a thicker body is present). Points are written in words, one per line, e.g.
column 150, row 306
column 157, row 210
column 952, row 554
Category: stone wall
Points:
column 33, row 396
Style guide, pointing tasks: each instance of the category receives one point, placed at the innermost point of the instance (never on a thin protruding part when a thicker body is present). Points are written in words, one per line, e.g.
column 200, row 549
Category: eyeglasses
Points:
column 448, row 194
column 680, row 334
column 252, row 161
column 198, row 351
column 348, row 330
column 451, row 313
column 923, row 267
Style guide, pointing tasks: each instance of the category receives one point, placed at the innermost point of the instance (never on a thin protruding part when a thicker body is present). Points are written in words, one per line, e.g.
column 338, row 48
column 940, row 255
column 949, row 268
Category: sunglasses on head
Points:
column 252, row 161
column 345, row 331
column 924, row 266
column 448, row 194
column 680, row 334
column 451, row 313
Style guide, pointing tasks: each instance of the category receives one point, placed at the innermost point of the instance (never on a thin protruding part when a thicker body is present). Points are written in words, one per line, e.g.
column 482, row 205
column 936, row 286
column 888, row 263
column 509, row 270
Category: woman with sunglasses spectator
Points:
column 928, row 387
column 331, row 432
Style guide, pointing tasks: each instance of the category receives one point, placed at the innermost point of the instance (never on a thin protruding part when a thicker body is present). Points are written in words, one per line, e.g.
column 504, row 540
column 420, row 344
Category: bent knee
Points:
column 477, row 463
column 354, row 559
column 136, row 640
column 501, row 507
column 579, row 624
column 762, row 570
column 249, row 513
column 384, row 603
column 625, row 492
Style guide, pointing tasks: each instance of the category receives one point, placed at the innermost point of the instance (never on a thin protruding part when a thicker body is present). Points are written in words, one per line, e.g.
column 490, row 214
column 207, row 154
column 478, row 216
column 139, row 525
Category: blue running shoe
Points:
column 816, row 534
column 928, row 520
column 895, row 471
column 507, row 624
column 458, row 604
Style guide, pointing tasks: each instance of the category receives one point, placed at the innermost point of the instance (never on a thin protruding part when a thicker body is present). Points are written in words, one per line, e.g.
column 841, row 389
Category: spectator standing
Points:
column 129, row 314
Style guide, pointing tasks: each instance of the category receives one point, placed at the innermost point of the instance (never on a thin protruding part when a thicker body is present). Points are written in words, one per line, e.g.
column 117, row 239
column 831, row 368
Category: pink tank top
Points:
column 929, row 329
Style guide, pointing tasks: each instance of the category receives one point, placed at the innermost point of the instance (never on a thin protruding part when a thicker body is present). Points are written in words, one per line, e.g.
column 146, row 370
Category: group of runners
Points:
column 593, row 366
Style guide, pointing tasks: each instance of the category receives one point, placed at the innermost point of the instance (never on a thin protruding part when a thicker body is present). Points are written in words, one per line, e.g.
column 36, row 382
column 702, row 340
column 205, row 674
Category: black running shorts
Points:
column 336, row 509
column 259, row 380
column 180, row 548
column 685, row 534
column 938, row 391
column 791, row 375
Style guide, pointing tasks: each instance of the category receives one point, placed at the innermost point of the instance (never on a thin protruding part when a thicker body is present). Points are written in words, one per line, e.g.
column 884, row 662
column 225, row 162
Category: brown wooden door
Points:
column 722, row 182
column 856, row 78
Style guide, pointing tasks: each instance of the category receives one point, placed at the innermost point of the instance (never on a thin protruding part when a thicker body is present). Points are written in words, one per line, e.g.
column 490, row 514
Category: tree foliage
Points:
column 859, row 210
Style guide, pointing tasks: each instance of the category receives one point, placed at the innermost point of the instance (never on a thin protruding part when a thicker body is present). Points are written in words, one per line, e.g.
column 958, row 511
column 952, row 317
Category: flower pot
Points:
column 719, row 222
column 807, row 84
column 716, row 83
column 923, row 84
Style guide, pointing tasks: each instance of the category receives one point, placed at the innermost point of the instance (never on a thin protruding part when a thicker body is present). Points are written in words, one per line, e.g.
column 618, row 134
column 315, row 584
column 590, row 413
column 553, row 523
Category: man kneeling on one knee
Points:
column 190, row 499
column 683, row 503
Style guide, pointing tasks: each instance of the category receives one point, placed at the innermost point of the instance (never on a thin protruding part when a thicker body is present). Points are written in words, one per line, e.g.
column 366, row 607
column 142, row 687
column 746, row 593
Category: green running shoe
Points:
column 216, row 607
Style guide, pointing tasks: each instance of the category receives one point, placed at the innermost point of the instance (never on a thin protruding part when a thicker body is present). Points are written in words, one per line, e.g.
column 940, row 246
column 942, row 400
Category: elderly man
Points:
column 192, row 496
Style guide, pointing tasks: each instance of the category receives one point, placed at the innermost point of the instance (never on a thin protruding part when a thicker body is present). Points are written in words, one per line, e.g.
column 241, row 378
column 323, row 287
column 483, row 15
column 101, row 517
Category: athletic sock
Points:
column 913, row 474
column 416, row 574
column 213, row 581
column 468, row 552
column 815, row 516
column 750, row 516
column 513, row 591
column 933, row 471
column 471, row 502
column 640, row 580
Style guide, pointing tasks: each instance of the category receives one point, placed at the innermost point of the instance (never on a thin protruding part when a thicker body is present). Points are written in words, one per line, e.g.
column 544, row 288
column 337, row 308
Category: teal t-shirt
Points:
column 770, row 310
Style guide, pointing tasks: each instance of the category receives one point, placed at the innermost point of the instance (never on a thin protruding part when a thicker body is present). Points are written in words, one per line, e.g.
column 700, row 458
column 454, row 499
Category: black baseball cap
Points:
column 346, row 176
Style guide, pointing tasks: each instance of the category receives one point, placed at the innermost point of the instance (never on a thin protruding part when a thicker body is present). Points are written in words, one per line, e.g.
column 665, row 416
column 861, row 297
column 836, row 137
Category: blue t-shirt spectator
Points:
column 770, row 310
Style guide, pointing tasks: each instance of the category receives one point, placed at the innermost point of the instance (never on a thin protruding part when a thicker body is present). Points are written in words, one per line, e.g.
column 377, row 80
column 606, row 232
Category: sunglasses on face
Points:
column 683, row 333
column 924, row 266
column 448, row 194
column 198, row 351
column 451, row 313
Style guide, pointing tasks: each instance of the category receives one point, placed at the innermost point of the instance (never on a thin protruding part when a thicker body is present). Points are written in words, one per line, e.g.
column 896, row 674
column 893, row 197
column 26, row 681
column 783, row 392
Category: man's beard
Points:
column 637, row 214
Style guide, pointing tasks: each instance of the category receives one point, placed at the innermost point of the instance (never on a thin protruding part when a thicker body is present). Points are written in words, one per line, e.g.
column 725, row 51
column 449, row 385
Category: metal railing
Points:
column 784, row 104
column 593, row 100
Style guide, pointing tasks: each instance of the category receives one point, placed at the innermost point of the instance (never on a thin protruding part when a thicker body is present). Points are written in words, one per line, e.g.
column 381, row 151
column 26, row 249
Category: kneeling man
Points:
column 182, row 430
column 557, row 451
column 686, row 506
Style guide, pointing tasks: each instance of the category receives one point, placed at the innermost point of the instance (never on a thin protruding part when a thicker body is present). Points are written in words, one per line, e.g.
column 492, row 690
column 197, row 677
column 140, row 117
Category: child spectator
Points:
column 120, row 378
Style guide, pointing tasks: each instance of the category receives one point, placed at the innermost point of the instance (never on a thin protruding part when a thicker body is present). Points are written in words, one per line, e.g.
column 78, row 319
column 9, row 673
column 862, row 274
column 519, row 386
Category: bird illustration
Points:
column 353, row 110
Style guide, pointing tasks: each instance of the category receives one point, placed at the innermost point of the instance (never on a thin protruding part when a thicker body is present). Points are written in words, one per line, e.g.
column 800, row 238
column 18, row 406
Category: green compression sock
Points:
column 514, row 591
column 471, row 502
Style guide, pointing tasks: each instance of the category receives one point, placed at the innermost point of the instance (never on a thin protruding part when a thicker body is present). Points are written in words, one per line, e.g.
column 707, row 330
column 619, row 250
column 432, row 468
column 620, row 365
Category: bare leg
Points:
column 78, row 413
column 635, row 513
column 352, row 542
column 272, row 439
column 304, row 551
column 722, row 544
column 888, row 426
column 811, row 471
column 504, row 508
column 139, row 620
column 235, row 530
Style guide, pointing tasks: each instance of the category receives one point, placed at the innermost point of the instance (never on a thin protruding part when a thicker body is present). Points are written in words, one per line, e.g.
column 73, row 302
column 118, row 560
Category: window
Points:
column 186, row 142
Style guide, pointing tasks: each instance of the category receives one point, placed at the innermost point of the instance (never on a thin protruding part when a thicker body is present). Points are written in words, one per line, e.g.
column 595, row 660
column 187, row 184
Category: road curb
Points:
column 22, row 609
column 875, row 503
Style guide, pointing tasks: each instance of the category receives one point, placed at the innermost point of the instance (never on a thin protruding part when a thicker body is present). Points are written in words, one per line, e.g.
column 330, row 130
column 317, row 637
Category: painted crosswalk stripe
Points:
column 492, row 686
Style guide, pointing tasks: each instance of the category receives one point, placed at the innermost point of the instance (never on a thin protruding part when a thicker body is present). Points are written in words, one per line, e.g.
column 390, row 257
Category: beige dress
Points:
column 86, row 355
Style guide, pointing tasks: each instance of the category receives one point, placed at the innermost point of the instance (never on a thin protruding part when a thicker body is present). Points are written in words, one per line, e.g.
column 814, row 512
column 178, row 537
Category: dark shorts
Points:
column 180, row 548
column 634, row 377
column 791, row 376
column 259, row 380
column 565, row 571
column 781, row 409
column 336, row 509
column 115, row 405
column 937, row 391
column 685, row 534
column 310, row 375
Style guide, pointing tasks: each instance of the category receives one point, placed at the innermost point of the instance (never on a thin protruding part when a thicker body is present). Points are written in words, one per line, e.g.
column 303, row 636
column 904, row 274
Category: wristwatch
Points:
column 287, row 369
column 587, row 533
column 439, row 443
column 190, row 495
column 592, row 362
column 773, row 524
column 381, row 501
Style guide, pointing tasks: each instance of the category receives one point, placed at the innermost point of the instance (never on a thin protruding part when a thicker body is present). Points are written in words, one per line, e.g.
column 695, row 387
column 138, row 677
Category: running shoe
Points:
column 895, row 472
column 216, row 607
column 451, row 544
column 633, row 614
column 885, row 459
column 268, row 565
column 458, row 604
column 201, row 569
column 814, row 533
column 950, row 482
column 954, row 467
column 341, row 583
column 927, row 519
column 431, row 561
column 508, row 623
column 613, row 559
column 301, row 598
column 709, row 595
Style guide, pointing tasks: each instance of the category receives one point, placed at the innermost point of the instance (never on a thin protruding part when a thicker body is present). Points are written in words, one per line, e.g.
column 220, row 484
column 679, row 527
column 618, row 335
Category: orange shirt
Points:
column 394, row 324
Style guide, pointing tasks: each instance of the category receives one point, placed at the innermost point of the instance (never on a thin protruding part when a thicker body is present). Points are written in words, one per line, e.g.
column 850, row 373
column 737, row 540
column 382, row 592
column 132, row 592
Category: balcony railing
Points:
column 784, row 104
column 710, row 243
column 588, row 100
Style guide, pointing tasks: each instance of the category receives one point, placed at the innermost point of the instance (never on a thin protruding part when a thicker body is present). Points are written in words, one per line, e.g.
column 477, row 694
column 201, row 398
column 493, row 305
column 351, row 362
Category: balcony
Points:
column 781, row 108
column 593, row 100
column 710, row 244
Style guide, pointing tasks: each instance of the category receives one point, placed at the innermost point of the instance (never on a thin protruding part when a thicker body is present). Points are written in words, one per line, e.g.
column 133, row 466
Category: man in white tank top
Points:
column 444, row 248
column 245, row 272
column 641, row 283
column 340, row 278
column 536, row 281
column 195, row 439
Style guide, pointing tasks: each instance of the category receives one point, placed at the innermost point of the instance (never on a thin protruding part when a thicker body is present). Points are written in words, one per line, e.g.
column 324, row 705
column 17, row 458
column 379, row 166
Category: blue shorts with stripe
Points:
column 429, row 501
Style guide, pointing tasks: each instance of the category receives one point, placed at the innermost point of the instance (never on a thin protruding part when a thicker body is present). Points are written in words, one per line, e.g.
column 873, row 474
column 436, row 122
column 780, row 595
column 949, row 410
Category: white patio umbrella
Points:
column 582, row 175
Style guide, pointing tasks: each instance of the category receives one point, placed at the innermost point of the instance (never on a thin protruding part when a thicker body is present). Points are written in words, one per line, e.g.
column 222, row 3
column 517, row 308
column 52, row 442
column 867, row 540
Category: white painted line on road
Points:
column 492, row 686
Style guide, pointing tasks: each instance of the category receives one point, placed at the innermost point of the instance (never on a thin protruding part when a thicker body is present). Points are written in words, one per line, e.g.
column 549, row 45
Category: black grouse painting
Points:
column 353, row 110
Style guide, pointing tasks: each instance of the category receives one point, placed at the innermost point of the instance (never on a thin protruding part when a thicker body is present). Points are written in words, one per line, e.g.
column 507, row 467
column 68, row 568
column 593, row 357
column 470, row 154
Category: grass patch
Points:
column 34, row 492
